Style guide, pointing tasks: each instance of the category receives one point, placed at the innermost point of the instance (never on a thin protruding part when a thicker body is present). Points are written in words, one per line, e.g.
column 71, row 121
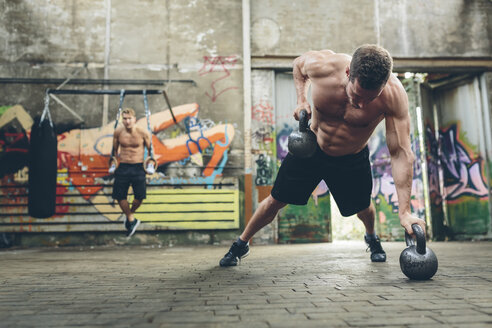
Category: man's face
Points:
column 360, row 97
column 129, row 120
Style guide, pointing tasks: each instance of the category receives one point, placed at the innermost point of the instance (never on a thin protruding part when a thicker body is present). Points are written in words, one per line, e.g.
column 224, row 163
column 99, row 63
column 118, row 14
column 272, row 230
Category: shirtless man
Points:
column 351, row 95
column 130, row 140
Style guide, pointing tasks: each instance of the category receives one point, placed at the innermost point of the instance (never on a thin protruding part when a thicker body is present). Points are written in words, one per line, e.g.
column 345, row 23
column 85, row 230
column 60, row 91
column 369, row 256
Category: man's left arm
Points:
column 402, row 158
column 146, row 137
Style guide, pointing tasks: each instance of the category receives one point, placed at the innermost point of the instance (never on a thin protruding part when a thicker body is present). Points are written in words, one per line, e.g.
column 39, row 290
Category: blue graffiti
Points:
column 192, row 124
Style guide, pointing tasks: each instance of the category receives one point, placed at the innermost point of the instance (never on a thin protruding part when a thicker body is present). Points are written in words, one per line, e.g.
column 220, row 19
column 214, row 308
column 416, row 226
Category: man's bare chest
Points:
column 129, row 140
column 344, row 112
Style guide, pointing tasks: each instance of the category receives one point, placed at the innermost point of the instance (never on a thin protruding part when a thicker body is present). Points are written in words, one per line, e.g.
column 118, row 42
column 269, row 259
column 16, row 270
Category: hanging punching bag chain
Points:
column 46, row 110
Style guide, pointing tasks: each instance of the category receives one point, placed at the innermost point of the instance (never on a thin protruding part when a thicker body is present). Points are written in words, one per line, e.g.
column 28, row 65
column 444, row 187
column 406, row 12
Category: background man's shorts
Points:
column 348, row 177
column 126, row 175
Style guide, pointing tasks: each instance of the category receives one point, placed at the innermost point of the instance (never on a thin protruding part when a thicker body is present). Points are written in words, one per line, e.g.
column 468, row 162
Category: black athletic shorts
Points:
column 349, row 179
column 126, row 175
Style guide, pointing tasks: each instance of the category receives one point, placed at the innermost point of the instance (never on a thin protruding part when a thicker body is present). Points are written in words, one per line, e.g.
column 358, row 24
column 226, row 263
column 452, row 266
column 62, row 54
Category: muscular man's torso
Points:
column 342, row 129
column 131, row 145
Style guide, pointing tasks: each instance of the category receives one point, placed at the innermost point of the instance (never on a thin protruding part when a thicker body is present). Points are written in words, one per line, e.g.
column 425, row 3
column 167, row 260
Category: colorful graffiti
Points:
column 264, row 170
column 282, row 141
column 263, row 142
column 263, row 112
column 263, row 138
column 462, row 169
column 14, row 142
column 306, row 224
column 83, row 154
column 383, row 183
column 457, row 183
column 218, row 64
column 384, row 193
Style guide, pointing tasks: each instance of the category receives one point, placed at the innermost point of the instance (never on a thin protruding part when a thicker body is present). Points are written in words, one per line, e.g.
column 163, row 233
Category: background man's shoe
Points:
column 377, row 252
column 235, row 253
column 131, row 227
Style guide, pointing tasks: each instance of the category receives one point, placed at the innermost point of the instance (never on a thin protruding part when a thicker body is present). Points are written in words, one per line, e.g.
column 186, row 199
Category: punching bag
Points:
column 42, row 170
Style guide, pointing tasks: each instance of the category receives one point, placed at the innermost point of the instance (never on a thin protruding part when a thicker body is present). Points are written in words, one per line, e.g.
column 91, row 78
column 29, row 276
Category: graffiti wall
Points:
column 459, row 165
column 187, row 191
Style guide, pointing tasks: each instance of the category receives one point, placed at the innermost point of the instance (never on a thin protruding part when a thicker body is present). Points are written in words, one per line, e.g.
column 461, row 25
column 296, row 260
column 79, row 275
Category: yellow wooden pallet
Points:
column 191, row 209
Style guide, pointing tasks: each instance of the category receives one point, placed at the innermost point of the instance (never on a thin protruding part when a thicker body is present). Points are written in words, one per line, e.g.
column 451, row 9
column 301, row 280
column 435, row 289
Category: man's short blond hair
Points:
column 130, row 111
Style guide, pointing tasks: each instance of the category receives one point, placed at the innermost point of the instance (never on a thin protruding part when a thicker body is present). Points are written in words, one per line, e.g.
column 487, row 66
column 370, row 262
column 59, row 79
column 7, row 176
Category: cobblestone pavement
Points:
column 310, row 285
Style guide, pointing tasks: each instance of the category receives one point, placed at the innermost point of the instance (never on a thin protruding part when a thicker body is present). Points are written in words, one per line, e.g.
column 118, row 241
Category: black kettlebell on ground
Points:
column 302, row 143
column 418, row 262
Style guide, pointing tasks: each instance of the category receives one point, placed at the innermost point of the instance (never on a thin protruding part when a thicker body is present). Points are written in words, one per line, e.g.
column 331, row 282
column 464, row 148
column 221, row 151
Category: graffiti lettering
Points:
column 263, row 171
column 262, row 139
column 282, row 141
column 383, row 183
column 10, row 139
column 22, row 175
column 263, row 112
column 462, row 173
column 218, row 64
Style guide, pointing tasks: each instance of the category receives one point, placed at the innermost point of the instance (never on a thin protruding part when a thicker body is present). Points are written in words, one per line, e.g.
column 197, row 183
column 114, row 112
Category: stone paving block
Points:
column 327, row 309
column 465, row 319
column 310, row 323
column 487, row 310
column 467, row 325
column 433, row 325
column 260, row 305
column 481, row 304
column 444, row 305
column 111, row 319
column 388, row 321
column 458, row 312
column 181, row 318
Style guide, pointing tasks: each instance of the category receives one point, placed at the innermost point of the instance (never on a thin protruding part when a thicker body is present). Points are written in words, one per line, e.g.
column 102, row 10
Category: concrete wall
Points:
column 198, row 40
column 289, row 28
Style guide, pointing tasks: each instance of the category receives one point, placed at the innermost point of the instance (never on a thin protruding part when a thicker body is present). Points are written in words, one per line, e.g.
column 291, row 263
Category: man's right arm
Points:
column 301, row 84
column 305, row 67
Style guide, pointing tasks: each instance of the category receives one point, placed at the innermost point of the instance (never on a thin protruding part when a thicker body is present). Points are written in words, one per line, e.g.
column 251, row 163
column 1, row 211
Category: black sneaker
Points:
column 377, row 252
column 131, row 227
column 235, row 253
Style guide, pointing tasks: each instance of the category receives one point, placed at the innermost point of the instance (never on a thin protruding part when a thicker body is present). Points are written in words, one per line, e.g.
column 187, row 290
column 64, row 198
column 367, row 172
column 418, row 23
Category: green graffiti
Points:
column 387, row 221
column 490, row 173
column 3, row 109
column 462, row 138
column 305, row 224
column 467, row 216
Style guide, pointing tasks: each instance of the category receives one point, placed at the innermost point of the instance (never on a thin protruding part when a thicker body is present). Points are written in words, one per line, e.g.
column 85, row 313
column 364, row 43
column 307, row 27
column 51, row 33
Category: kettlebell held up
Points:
column 418, row 262
column 302, row 143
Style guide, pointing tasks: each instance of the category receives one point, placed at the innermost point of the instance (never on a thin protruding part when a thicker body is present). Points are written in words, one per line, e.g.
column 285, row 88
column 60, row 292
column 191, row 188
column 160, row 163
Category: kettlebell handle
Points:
column 303, row 120
column 420, row 236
